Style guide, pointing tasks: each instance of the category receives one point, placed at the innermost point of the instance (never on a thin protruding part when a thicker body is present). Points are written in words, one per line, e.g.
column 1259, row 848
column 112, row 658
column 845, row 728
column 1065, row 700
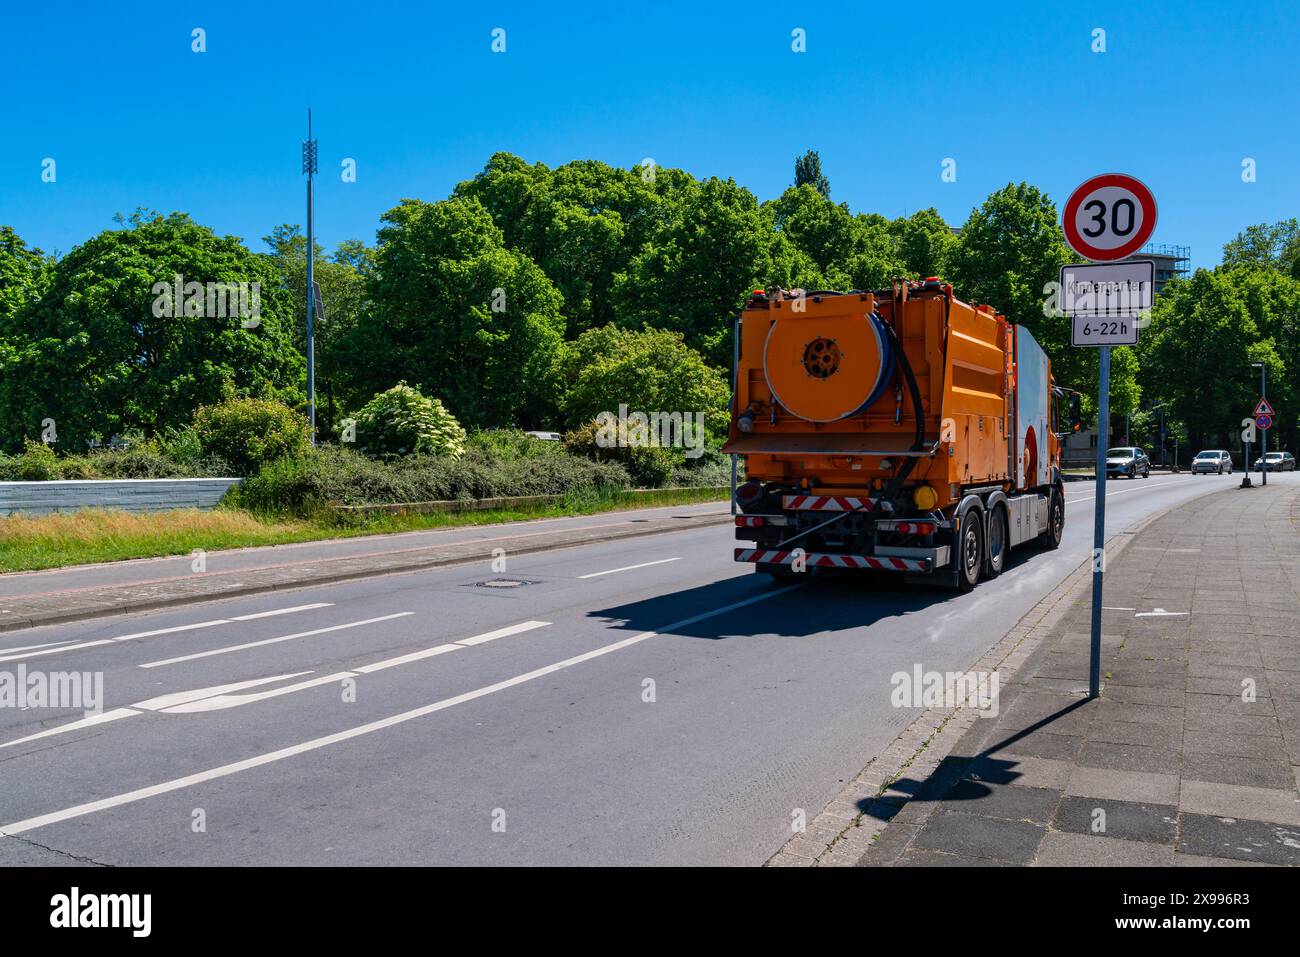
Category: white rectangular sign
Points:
column 1105, row 331
column 1108, row 289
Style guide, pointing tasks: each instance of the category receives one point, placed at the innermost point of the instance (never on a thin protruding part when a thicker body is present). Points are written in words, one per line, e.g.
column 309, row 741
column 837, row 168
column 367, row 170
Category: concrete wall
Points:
column 132, row 495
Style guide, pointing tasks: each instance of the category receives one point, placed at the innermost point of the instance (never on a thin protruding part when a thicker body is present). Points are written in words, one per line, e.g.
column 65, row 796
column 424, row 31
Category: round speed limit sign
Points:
column 1109, row 217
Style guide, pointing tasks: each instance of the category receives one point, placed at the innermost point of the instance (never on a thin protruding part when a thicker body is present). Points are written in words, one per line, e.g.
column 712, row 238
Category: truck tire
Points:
column 970, row 550
column 999, row 534
column 1050, row 539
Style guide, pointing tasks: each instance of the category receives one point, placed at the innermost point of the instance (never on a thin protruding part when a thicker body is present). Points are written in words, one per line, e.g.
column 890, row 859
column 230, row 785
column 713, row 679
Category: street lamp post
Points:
column 309, row 168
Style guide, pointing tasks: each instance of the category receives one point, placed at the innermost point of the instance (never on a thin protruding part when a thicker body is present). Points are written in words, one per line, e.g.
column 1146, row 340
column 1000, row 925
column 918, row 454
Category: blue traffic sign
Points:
column 1263, row 421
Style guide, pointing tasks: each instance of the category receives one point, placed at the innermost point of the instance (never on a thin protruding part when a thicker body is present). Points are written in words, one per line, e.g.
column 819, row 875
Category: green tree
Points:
column 343, row 279
column 1198, row 350
column 581, row 223
column 648, row 370
column 848, row 251
column 713, row 246
column 459, row 314
column 1277, row 245
column 24, row 273
column 107, row 349
column 808, row 171
column 923, row 242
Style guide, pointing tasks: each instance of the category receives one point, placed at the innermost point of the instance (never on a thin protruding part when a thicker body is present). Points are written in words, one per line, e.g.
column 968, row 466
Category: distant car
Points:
column 546, row 436
column 1127, row 461
column 1215, row 460
column 1276, row 462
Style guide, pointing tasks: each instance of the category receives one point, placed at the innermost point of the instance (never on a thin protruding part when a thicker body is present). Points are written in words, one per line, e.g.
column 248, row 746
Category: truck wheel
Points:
column 999, row 535
column 970, row 550
column 1051, row 537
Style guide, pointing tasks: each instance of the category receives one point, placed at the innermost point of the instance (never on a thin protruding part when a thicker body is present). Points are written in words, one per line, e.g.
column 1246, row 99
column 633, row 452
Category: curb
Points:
column 836, row 837
column 112, row 604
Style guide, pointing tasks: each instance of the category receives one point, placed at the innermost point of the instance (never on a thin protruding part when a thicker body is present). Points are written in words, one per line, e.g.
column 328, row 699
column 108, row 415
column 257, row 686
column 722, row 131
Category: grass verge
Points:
column 30, row 543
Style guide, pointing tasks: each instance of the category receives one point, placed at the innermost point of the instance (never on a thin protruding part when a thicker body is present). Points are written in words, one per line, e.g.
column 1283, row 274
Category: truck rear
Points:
column 898, row 430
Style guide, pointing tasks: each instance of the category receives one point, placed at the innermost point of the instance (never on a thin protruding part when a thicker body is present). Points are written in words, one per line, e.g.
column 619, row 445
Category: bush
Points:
column 403, row 421
column 513, row 443
column 649, row 466
column 305, row 484
column 38, row 463
column 248, row 433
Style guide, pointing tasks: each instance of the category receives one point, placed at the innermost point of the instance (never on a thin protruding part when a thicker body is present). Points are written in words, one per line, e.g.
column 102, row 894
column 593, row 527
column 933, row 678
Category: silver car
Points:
column 1276, row 462
column 1212, row 461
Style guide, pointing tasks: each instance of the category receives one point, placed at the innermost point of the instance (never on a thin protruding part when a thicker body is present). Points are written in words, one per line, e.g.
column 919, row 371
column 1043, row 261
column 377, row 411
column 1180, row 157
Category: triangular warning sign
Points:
column 1263, row 408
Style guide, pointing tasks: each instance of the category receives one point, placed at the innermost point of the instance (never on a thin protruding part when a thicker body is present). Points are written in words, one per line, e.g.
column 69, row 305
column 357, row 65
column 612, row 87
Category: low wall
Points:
column 131, row 495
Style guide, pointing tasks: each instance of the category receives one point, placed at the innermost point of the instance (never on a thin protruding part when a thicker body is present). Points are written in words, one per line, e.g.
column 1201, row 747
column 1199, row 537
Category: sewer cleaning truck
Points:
column 898, row 430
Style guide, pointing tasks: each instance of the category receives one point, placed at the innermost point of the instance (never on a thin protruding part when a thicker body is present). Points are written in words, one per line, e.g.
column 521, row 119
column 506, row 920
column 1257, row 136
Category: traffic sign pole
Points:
column 1106, row 219
column 1099, row 523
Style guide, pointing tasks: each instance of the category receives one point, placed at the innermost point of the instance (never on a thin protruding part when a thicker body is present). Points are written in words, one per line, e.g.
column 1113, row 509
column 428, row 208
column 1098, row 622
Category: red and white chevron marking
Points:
column 827, row 503
column 773, row 556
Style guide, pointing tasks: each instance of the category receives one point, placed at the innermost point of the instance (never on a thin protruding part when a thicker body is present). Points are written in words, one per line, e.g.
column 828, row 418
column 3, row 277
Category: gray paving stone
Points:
column 1232, row 800
column 972, row 835
column 1137, row 786
column 1264, row 747
column 1126, row 820
column 1002, row 801
column 919, row 857
column 1238, row 838
column 1089, row 850
column 1129, row 757
column 1230, row 769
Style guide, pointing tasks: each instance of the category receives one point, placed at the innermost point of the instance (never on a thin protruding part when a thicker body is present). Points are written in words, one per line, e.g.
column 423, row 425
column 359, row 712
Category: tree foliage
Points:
column 458, row 313
column 92, row 354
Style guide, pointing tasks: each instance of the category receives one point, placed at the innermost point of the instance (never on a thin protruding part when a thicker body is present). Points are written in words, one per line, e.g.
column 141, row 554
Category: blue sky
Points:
column 414, row 94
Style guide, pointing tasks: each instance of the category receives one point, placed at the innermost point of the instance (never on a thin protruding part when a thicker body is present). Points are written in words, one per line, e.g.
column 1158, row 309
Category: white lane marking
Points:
column 221, row 697
column 1116, row 608
column 407, row 659
column 56, row 651
column 1161, row 613
column 222, row 702
column 272, row 641
column 171, row 631
column 628, row 568
column 88, row 722
column 153, row 704
column 283, row 611
column 501, row 633
column 48, row 644
column 12, row 654
column 315, row 744
column 167, row 701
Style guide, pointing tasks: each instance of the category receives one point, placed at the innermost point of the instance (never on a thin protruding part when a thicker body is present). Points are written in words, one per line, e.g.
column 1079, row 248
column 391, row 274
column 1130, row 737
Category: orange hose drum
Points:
column 828, row 369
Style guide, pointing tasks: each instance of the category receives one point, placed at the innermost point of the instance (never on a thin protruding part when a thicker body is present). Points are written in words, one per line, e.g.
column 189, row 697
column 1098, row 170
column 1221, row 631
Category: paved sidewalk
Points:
column 1192, row 753
column 288, row 567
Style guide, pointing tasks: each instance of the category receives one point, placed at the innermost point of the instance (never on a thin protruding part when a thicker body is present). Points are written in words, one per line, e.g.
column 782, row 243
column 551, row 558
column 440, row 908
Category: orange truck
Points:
column 898, row 430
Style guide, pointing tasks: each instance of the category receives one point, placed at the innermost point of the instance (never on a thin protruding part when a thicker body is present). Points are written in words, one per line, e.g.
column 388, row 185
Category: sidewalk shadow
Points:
column 960, row 777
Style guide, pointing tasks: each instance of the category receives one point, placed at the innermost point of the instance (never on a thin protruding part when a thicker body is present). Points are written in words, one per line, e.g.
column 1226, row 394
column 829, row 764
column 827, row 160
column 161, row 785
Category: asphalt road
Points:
column 677, row 711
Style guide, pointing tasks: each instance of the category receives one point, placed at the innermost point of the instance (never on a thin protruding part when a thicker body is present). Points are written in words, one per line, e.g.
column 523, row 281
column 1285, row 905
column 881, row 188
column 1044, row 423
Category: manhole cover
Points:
column 503, row 583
